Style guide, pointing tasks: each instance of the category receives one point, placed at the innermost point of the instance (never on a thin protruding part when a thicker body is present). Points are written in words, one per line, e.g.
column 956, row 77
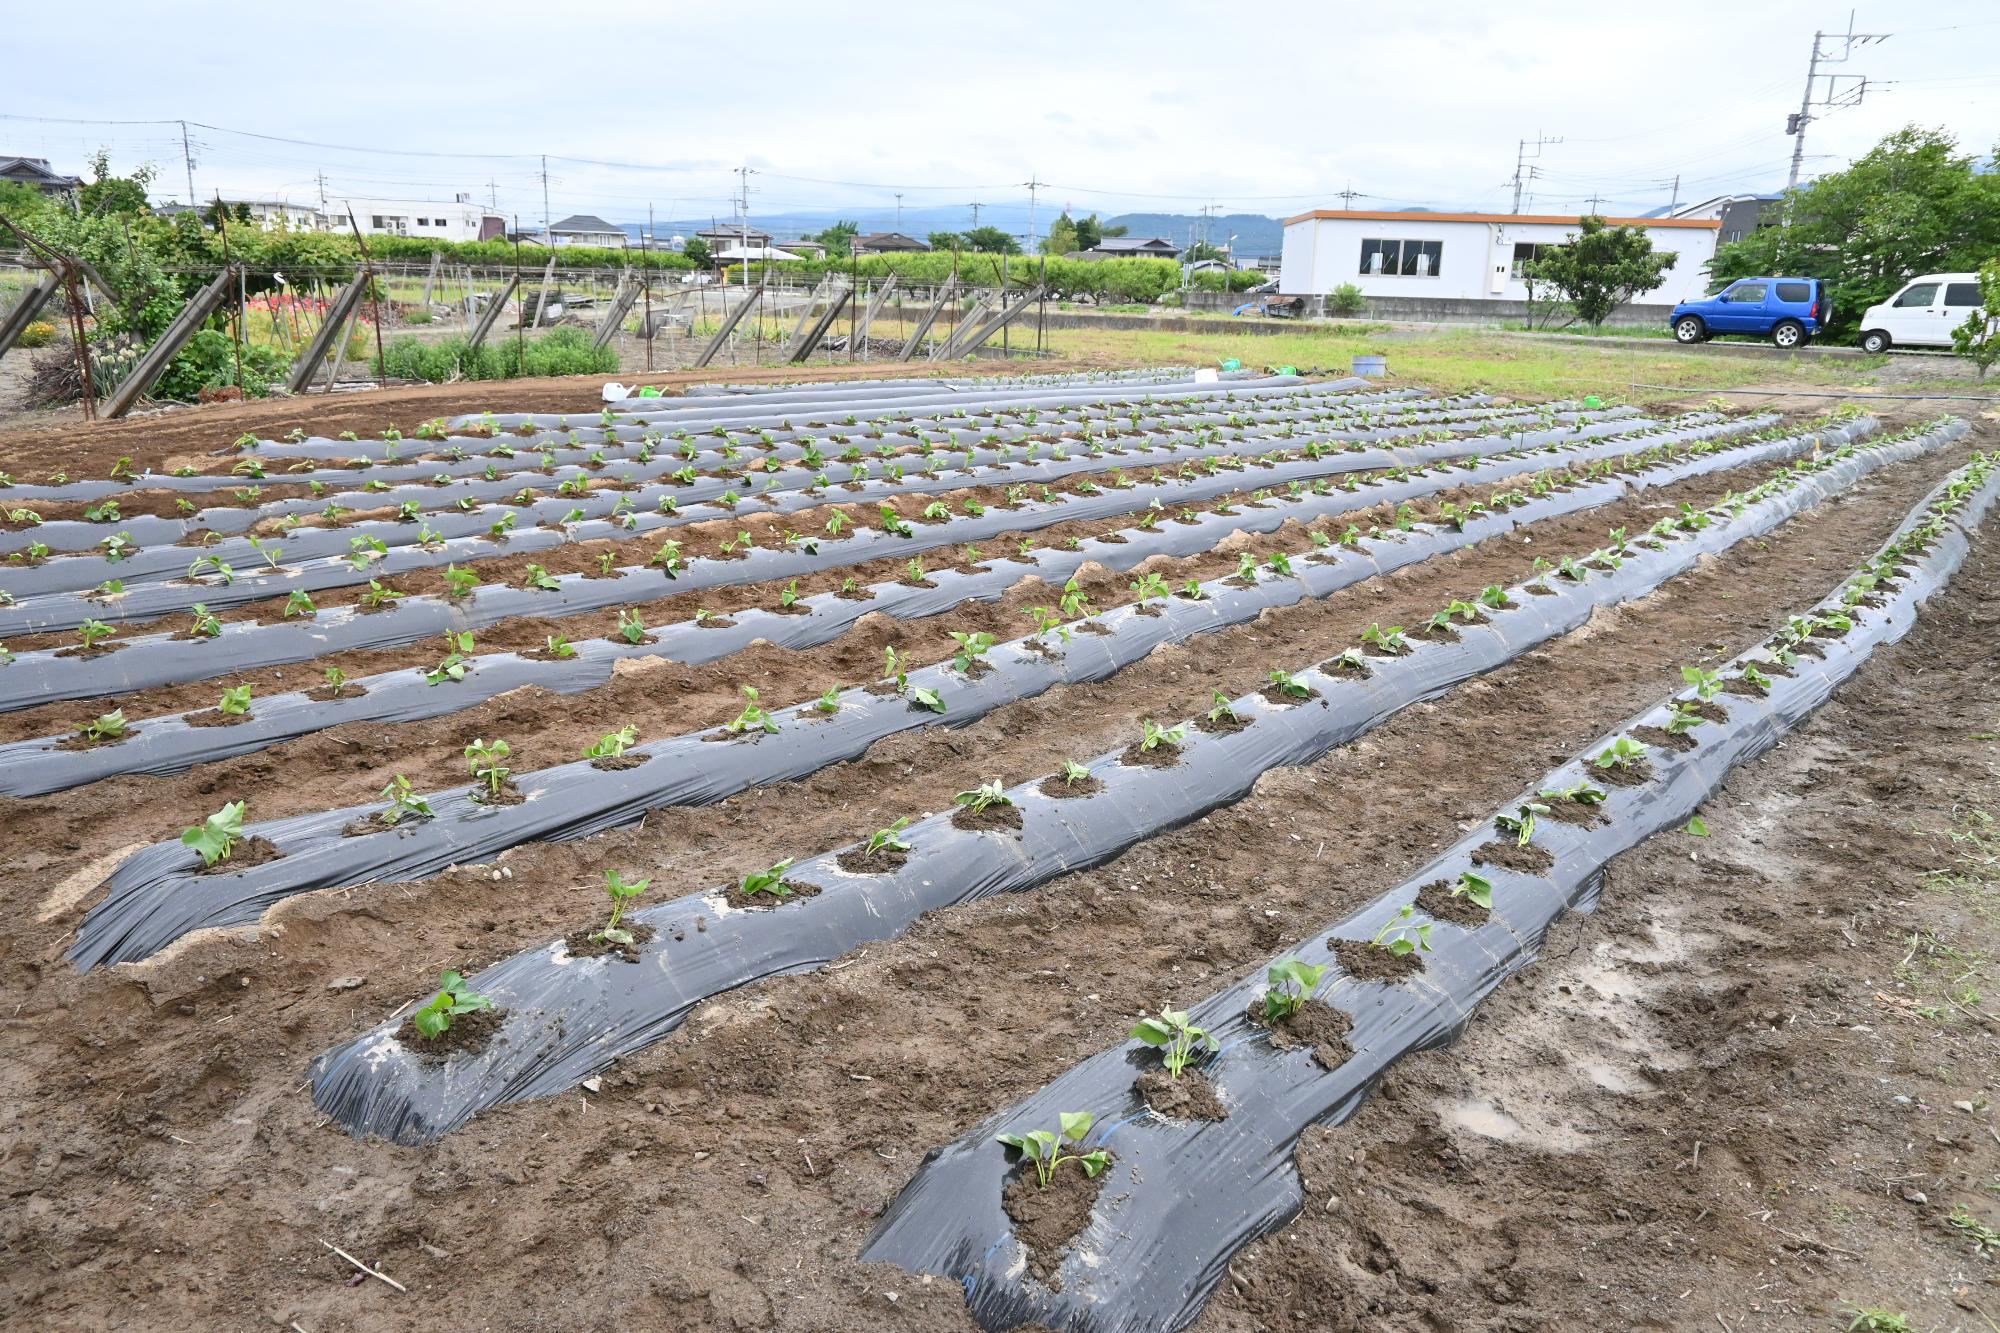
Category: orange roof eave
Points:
column 1556, row 219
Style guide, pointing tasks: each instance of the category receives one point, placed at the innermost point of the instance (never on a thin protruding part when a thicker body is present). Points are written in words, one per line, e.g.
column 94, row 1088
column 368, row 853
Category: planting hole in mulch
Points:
column 715, row 622
column 1435, row 900
column 1706, row 708
column 1662, row 739
column 379, row 822
column 856, row 861
column 1150, row 612
column 992, row 819
column 323, row 694
column 78, row 650
column 1189, row 1097
column 1741, row 687
column 214, row 717
column 508, row 794
column 855, row 594
column 618, row 763
column 249, row 852
column 1436, row 634
column 1635, row 774
column 1164, row 755
column 79, row 741
column 1047, row 1220
column 764, row 902
column 1581, row 813
column 578, row 943
column 1510, row 855
column 1334, row 666
column 1223, row 725
column 469, row 1034
column 1059, row 789
column 1091, row 627
column 1283, row 699
column 1365, row 962
column 1314, row 1023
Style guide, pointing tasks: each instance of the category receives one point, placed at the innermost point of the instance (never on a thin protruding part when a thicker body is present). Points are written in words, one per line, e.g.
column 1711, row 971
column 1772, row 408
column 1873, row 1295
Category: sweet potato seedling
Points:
column 1178, row 1040
column 536, row 577
column 94, row 632
column 456, row 665
column 888, row 839
column 1152, row 735
column 754, row 716
column 1290, row 686
column 1044, row 1148
column 404, row 802
column 1073, row 773
column 336, row 681
column 1582, row 793
column 559, row 647
column 1389, row 640
column 1402, row 938
column 216, row 836
column 770, row 881
column 454, row 1000
column 205, row 624
column 613, row 743
column 631, row 627
column 1286, row 986
column 972, row 647
column 1705, row 683
column 1624, row 752
column 1221, row 707
column 236, row 701
column 622, row 891
column 104, row 727
column 484, row 760
column 1685, row 719
column 1521, row 825
column 1474, row 888
column 1755, row 677
column 985, row 795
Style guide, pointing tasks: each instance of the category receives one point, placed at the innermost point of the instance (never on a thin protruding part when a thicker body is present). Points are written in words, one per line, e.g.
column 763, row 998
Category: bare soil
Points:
column 1727, row 1096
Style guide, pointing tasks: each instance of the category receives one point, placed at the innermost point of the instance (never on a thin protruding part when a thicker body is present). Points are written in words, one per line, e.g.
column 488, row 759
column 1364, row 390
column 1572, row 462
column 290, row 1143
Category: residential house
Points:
column 888, row 243
column 36, row 174
column 587, row 229
column 1132, row 247
column 804, row 248
column 458, row 220
column 723, row 236
column 1416, row 264
column 273, row 214
column 1739, row 214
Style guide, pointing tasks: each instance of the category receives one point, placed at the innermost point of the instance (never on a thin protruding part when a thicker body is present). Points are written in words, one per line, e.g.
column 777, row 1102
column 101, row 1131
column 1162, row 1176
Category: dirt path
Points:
column 167, row 1168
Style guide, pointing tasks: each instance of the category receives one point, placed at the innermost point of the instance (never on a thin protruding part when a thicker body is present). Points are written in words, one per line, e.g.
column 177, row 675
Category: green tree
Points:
column 1979, row 337
column 1062, row 237
column 106, row 194
column 838, row 239
column 946, row 240
column 696, row 252
column 1912, row 204
column 992, row 241
column 1201, row 250
column 1600, row 268
column 1088, row 232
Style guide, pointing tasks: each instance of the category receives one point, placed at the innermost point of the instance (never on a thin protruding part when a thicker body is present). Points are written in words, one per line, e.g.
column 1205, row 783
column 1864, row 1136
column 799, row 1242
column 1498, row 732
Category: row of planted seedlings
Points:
column 565, row 1015
column 1171, row 1152
column 383, row 615
column 845, row 723
column 442, row 475
column 359, row 534
column 1551, row 481
column 438, row 453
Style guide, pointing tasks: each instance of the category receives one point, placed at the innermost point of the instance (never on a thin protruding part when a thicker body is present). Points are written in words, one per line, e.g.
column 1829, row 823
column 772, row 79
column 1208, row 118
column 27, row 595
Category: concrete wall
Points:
column 1435, row 310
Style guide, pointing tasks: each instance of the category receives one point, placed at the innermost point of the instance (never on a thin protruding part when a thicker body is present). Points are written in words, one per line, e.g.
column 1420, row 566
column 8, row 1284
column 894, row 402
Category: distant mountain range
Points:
column 1255, row 234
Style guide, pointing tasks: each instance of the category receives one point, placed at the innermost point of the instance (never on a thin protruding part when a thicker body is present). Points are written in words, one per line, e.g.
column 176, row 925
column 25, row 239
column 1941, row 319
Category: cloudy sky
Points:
column 1157, row 107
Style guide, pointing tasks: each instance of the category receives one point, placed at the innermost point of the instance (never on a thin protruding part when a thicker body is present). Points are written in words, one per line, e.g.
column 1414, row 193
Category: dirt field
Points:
column 1734, row 1095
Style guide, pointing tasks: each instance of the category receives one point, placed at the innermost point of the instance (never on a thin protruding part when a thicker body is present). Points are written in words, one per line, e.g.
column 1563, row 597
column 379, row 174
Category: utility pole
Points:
column 976, row 206
column 1033, row 185
column 1675, row 202
column 743, row 174
column 492, row 194
column 899, row 212
column 187, row 156
column 1836, row 95
column 321, row 178
column 1523, row 173
column 547, row 239
column 1595, row 200
column 1348, row 195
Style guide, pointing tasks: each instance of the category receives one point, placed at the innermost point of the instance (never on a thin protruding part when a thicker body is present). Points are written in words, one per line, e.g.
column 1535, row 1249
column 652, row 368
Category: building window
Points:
column 376, row 222
column 1525, row 253
column 1407, row 259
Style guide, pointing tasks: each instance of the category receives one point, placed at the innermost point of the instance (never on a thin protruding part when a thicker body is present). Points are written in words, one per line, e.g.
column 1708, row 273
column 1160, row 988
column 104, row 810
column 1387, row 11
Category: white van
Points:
column 1923, row 314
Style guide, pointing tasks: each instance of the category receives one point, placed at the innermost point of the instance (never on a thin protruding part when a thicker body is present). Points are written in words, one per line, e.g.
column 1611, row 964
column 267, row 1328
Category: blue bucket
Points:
column 1373, row 367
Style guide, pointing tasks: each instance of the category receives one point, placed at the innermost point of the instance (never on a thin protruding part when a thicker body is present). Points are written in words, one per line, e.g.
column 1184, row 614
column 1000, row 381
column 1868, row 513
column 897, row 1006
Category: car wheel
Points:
column 1689, row 329
column 1875, row 342
column 1788, row 334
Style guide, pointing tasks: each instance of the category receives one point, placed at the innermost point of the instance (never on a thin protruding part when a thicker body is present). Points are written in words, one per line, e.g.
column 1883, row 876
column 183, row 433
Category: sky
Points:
column 1164, row 107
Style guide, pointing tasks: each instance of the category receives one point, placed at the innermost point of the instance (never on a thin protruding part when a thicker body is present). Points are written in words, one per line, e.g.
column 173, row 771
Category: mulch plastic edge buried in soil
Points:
column 40, row 677
column 1183, row 1197
column 92, row 490
column 167, row 744
column 570, row 1017
column 159, row 584
column 161, row 542
column 155, row 896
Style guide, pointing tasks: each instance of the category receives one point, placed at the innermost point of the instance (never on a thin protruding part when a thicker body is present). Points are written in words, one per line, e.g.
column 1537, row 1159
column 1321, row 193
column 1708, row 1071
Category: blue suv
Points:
column 1788, row 311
